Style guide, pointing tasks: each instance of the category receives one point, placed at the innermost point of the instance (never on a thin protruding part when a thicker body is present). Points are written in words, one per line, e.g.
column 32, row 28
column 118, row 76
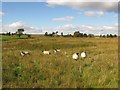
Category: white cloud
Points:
column 67, row 28
column 93, row 13
column 66, row 18
column 89, row 29
column 108, row 6
column 1, row 13
column 89, row 13
column 100, row 13
column 19, row 24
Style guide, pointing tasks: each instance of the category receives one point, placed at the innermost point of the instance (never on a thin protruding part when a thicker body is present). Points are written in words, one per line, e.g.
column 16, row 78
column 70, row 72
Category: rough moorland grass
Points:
column 59, row 70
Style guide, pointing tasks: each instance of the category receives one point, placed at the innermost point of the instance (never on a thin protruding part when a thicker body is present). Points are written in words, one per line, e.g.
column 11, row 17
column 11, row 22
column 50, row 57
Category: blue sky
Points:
column 45, row 16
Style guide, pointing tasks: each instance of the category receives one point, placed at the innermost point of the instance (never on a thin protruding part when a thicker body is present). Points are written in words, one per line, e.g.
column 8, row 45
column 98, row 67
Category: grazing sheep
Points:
column 24, row 53
column 75, row 56
column 83, row 55
column 56, row 50
column 46, row 52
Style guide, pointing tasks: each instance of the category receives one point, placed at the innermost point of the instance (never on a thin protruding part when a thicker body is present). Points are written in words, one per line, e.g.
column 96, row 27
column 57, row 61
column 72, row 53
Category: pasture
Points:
column 59, row 70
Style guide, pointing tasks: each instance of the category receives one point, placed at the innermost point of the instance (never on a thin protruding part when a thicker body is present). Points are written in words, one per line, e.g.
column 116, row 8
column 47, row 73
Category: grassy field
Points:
column 59, row 70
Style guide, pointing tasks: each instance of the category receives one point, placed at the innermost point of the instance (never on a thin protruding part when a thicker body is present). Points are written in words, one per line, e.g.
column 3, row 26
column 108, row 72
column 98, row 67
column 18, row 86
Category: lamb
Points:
column 46, row 52
column 83, row 55
column 56, row 50
column 75, row 56
column 23, row 53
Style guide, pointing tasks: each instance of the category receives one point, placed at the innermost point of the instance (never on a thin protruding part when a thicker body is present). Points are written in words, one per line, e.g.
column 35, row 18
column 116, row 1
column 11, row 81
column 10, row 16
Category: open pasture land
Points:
column 59, row 70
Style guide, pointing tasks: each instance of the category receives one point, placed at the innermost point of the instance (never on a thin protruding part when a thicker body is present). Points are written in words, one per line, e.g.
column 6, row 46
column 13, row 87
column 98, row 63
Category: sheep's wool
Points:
column 22, row 54
column 83, row 54
column 75, row 56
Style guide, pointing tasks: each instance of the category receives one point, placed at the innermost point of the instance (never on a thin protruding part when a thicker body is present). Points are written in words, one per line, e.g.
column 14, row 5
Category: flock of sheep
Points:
column 75, row 55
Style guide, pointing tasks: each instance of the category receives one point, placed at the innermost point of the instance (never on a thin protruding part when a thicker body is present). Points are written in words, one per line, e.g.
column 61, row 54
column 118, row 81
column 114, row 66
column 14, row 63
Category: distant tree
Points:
column 111, row 35
column 115, row 35
column 81, row 35
column 50, row 35
column 77, row 34
column 68, row 35
column 85, row 35
column 46, row 33
column 103, row 36
column 3, row 33
column 56, row 32
column 61, row 33
column 100, row 35
column 9, row 33
column 90, row 35
column 20, row 32
column 29, row 36
column 108, row 35
column 53, row 33
column 12, row 34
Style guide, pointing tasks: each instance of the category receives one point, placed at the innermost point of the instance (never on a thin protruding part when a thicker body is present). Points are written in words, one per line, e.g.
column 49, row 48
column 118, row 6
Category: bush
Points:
column 29, row 36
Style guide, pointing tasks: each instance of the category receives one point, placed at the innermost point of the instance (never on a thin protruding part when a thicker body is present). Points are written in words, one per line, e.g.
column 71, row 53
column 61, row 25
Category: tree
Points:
column 53, row 33
column 56, row 32
column 20, row 32
column 115, row 35
column 9, row 33
column 85, row 35
column 103, row 36
column 90, row 35
column 81, row 35
column 100, row 35
column 61, row 33
column 111, row 35
column 108, row 35
column 77, row 34
column 46, row 33
column 29, row 36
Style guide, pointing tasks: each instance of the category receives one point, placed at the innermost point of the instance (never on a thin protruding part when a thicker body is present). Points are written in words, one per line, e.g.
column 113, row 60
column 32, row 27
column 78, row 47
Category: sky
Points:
column 62, row 16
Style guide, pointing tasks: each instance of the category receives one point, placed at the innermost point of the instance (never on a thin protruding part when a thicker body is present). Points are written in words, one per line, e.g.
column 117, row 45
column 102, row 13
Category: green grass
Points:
column 57, row 70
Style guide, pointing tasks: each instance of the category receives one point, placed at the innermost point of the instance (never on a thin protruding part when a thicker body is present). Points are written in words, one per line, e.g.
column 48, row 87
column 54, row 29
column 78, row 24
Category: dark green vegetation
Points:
column 59, row 70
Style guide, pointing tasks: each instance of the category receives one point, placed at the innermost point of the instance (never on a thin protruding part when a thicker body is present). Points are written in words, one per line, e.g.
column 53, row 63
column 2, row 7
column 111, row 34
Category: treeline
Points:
column 19, row 33
column 108, row 35
column 76, row 34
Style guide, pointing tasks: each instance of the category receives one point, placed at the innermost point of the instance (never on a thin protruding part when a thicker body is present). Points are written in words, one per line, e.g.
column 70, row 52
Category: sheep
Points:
column 83, row 55
column 46, row 52
column 56, row 50
column 23, row 53
column 75, row 56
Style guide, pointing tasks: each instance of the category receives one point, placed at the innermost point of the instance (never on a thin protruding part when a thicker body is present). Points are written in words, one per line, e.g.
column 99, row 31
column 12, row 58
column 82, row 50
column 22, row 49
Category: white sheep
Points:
column 75, row 56
column 46, row 52
column 56, row 50
column 83, row 54
column 23, row 53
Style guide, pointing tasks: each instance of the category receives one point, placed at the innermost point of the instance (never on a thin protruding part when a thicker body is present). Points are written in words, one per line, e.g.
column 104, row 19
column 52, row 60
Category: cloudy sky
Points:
column 63, row 16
